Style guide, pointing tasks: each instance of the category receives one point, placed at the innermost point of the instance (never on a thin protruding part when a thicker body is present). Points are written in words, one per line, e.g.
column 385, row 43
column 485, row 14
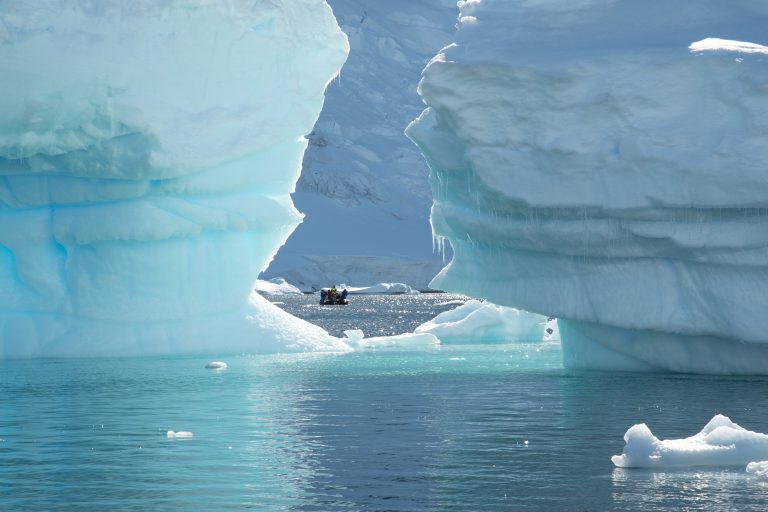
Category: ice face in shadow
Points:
column 605, row 165
column 147, row 150
column 720, row 443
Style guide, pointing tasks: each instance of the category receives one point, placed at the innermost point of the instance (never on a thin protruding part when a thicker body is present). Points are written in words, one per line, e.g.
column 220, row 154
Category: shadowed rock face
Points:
column 147, row 153
column 591, row 162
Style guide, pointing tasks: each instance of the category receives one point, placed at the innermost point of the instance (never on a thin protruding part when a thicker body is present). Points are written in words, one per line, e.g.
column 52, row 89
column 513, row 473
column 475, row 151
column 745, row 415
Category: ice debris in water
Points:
column 216, row 365
column 179, row 435
column 720, row 443
column 758, row 468
column 356, row 338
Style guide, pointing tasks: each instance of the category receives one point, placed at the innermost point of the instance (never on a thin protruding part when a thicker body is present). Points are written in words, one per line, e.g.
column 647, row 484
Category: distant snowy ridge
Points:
column 594, row 165
column 147, row 153
column 364, row 186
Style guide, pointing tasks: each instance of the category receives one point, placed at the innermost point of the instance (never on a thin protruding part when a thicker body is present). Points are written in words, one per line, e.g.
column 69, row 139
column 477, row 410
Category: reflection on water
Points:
column 711, row 489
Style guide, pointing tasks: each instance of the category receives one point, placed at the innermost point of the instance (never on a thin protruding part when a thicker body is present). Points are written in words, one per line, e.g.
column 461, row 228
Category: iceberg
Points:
column 356, row 339
column 720, row 443
column 277, row 286
column 483, row 322
column 604, row 163
column 147, row 154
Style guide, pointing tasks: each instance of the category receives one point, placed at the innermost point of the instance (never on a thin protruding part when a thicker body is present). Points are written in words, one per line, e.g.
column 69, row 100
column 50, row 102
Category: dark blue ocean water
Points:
column 463, row 428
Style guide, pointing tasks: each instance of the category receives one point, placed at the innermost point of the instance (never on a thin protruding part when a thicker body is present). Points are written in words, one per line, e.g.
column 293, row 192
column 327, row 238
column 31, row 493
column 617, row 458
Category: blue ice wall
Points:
column 147, row 153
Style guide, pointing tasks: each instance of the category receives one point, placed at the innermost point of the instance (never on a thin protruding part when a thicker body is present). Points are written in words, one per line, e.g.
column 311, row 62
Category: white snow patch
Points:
column 720, row 443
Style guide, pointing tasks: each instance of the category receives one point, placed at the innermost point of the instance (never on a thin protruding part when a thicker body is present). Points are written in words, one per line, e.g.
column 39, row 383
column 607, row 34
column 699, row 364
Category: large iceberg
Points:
column 147, row 153
column 604, row 162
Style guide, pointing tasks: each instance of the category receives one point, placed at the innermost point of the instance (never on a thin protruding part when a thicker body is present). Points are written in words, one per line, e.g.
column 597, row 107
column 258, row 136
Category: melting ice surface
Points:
column 606, row 166
column 147, row 151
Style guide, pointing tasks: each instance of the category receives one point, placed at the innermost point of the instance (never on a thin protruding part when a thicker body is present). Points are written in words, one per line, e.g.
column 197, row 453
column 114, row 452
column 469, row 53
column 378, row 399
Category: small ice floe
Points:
column 179, row 435
column 483, row 322
column 356, row 339
column 720, row 443
column 216, row 365
column 759, row 468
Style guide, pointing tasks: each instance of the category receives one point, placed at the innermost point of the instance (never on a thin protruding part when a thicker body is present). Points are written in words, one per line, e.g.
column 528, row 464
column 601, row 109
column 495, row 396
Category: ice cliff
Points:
column 147, row 153
column 604, row 162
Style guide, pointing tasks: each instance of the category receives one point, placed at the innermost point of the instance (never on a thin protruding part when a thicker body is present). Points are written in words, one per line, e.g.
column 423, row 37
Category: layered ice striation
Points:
column 147, row 153
column 605, row 163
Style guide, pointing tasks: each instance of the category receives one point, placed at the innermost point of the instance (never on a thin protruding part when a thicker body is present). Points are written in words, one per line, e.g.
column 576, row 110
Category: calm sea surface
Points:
column 463, row 428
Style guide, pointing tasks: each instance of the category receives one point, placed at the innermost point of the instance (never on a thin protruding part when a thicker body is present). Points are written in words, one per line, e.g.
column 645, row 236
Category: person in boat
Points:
column 344, row 294
column 323, row 296
column 334, row 294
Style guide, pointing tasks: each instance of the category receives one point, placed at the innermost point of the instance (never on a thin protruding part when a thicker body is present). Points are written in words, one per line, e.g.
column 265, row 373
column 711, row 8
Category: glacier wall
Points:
column 147, row 153
column 604, row 162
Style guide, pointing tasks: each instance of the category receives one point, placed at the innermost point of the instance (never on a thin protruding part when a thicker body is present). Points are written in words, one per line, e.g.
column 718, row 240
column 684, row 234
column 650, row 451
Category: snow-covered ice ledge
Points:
column 607, row 166
column 147, row 153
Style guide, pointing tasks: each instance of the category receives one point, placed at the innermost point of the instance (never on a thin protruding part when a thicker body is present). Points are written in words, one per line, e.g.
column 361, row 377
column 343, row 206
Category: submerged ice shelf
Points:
column 607, row 167
column 147, row 153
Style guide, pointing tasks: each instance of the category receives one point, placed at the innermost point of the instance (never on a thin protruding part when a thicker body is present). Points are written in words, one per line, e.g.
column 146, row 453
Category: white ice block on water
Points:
column 179, row 435
column 483, row 322
column 147, row 154
column 604, row 164
column 720, row 443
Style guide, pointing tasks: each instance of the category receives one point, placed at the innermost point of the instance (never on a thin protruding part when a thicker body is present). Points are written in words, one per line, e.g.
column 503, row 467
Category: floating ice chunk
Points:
column 720, row 443
column 457, row 302
column 355, row 338
column 277, row 286
column 484, row 322
column 713, row 44
column 179, row 435
column 216, row 365
column 759, row 468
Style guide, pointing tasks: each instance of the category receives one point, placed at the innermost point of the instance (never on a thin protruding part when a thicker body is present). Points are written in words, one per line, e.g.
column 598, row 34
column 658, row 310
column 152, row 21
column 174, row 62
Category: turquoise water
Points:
column 463, row 428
